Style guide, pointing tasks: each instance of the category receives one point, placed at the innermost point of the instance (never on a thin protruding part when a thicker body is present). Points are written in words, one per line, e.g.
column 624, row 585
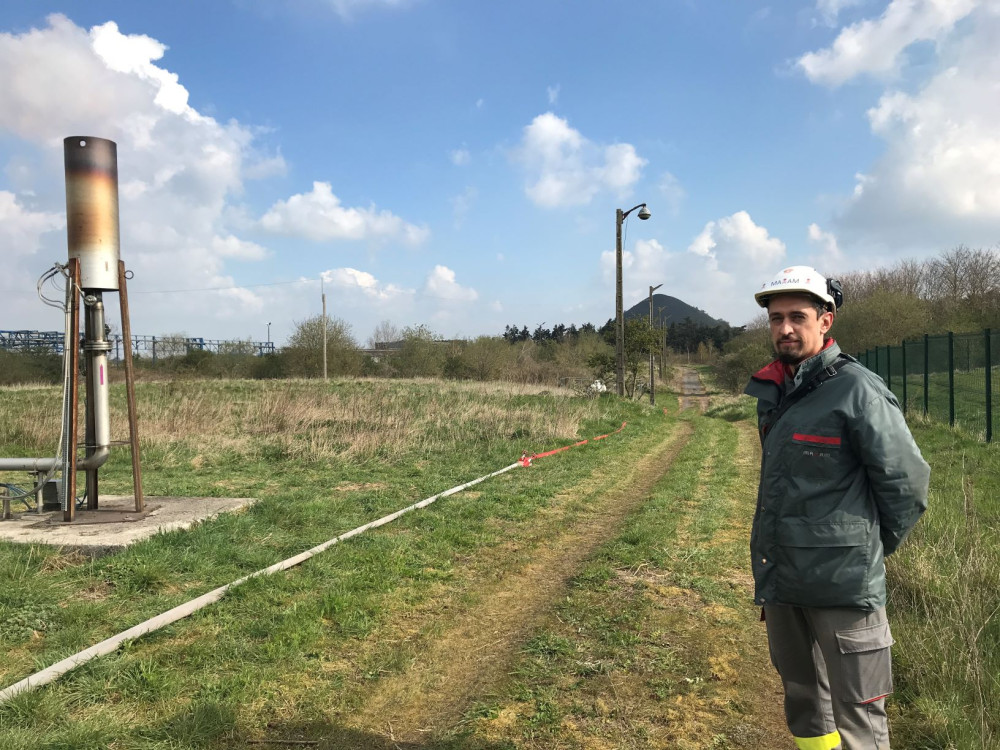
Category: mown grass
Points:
column 302, row 645
column 656, row 645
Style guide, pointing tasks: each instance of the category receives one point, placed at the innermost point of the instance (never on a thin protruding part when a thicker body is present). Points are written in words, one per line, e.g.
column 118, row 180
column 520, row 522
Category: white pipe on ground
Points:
column 109, row 645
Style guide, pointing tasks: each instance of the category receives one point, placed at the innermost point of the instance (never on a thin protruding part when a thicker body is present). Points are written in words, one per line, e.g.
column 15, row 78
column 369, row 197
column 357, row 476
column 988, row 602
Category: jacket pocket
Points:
column 817, row 457
column 823, row 565
column 866, row 663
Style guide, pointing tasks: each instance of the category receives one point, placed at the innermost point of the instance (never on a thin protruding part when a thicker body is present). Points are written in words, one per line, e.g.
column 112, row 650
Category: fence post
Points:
column 888, row 368
column 951, row 378
column 989, row 387
column 903, row 348
column 927, row 372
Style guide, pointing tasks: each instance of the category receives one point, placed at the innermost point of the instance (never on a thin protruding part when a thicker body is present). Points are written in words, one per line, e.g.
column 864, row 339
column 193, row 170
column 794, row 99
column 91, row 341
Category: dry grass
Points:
column 356, row 419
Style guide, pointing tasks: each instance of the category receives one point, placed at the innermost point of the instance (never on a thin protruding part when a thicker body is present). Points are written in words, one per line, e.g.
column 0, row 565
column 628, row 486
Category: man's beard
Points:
column 791, row 356
column 789, row 359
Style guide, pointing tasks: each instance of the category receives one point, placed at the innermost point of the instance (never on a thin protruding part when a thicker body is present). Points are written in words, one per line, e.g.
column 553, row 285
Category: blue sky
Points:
column 458, row 164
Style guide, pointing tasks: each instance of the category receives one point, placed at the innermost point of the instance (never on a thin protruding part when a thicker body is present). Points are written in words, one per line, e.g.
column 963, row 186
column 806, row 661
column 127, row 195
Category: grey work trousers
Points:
column 836, row 668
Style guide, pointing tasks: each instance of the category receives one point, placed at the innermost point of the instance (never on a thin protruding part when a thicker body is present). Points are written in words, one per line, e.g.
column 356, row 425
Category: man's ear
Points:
column 826, row 321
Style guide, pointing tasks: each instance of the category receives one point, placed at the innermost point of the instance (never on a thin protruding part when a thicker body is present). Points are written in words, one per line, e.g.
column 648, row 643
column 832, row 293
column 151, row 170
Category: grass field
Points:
column 598, row 599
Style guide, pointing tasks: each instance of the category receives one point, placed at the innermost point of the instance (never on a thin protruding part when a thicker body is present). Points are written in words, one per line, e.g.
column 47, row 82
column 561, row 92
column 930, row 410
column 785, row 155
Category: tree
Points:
column 386, row 332
column 304, row 351
column 486, row 358
column 422, row 354
column 640, row 339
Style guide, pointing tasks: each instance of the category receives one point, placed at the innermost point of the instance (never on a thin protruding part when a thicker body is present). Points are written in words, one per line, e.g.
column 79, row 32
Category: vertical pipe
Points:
column 987, row 335
column 69, row 478
column 951, row 378
column 927, row 373
column 133, row 424
column 96, row 348
column 90, row 441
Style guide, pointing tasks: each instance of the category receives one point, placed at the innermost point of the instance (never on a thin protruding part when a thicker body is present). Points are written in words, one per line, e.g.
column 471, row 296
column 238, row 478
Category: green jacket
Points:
column 841, row 483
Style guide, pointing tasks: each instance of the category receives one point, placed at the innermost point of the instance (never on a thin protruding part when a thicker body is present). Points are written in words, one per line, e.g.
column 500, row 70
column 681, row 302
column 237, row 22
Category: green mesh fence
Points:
column 950, row 378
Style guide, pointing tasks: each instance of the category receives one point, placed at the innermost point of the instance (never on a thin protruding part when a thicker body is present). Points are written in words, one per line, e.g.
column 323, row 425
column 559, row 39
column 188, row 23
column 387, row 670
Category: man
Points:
column 841, row 485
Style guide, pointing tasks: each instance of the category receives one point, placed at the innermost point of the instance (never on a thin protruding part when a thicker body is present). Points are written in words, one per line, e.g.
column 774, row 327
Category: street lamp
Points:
column 619, row 313
column 269, row 333
column 652, row 386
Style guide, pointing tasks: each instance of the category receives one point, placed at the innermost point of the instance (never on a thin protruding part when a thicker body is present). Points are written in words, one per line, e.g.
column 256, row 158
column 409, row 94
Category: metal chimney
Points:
column 92, row 209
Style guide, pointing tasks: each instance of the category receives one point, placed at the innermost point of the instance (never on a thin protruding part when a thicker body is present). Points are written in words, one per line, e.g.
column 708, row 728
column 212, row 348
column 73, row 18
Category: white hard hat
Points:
column 802, row 280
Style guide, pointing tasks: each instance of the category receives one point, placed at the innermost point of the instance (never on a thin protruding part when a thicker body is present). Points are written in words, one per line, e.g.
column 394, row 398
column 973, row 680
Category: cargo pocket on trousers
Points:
column 866, row 663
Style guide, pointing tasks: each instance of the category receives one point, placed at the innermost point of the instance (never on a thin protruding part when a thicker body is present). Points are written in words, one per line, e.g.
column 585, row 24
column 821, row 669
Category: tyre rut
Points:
column 476, row 648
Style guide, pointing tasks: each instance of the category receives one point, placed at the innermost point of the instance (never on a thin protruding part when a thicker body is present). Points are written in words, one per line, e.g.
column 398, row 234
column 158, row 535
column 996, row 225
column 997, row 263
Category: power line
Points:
column 222, row 288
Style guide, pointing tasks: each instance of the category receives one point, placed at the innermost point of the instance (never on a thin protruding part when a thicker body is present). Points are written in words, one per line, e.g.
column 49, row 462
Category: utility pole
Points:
column 652, row 386
column 619, row 313
column 323, row 293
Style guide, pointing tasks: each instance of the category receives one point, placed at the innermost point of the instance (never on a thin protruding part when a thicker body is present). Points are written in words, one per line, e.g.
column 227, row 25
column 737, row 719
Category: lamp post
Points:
column 652, row 386
column 619, row 313
column 269, row 333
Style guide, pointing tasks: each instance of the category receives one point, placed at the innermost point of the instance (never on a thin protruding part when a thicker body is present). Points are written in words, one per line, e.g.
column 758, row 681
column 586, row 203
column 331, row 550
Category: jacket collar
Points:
column 776, row 372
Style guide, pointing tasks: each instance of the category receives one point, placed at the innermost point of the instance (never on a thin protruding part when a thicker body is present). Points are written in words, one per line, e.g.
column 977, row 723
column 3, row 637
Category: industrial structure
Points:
column 93, row 268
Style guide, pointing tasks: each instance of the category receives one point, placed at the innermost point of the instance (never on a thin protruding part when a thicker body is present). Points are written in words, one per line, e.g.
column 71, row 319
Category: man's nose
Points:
column 785, row 327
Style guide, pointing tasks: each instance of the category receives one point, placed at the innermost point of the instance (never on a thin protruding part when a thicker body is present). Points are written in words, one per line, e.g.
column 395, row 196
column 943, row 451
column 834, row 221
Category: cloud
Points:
column 672, row 192
column 460, row 157
column 826, row 242
column 347, row 9
column 829, row 10
column 441, row 285
column 737, row 237
column 938, row 181
column 21, row 228
column 233, row 247
column 462, row 203
column 718, row 273
column 134, row 54
column 874, row 46
column 180, row 169
column 553, row 94
column 563, row 168
column 319, row 216
column 353, row 279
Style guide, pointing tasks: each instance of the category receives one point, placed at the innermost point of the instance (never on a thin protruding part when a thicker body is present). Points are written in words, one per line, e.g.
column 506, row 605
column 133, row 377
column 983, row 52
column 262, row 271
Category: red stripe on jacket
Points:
column 816, row 439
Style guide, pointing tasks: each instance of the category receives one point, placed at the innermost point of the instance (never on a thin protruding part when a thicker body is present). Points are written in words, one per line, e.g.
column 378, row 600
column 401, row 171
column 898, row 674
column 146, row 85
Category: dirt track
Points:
column 472, row 653
column 475, row 651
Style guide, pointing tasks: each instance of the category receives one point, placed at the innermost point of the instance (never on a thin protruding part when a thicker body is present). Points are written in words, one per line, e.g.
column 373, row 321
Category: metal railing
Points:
column 949, row 377
column 154, row 347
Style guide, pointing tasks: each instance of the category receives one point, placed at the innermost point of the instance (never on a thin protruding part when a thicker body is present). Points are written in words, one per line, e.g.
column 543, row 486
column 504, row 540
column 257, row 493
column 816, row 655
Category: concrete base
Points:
column 116, row 524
